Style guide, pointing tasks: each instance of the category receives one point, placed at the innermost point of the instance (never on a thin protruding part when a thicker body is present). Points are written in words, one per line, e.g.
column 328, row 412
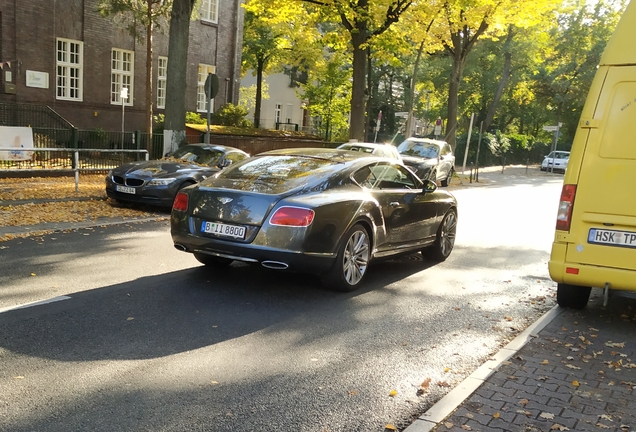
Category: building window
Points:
column 121, row 75
column 162, row 73
column 210, row 10
column 69, row 69
column 278, row 111
column 204, row 70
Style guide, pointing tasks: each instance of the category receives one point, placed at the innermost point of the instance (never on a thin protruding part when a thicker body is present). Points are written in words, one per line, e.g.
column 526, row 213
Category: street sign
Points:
column 401, row 114
column 550, row 128
column 211, row 87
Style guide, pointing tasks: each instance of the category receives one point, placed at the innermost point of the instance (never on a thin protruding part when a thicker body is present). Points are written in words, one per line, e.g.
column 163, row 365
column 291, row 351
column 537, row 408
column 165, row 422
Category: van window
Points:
column 618, row 134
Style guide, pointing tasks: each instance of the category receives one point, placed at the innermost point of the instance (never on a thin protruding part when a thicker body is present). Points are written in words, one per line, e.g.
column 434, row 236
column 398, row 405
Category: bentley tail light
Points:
column 292, row 216
column 180, row 202
column 564, row 215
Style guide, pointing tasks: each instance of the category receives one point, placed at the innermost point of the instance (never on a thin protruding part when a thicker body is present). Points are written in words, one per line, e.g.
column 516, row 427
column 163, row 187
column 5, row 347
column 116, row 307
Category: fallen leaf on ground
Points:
column 615, row 344
column 559, row 427
column 547, row 415
column 393, row 393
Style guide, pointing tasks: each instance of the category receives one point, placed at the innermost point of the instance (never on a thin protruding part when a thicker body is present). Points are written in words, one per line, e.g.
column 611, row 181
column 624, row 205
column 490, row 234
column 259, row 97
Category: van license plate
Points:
column 612, row 237
column 224, row 230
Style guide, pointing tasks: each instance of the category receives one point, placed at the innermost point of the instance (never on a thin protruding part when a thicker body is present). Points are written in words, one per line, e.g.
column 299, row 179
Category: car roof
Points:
column 332, row 154
column 363, row 144
column 213, row 146
column 426, row 140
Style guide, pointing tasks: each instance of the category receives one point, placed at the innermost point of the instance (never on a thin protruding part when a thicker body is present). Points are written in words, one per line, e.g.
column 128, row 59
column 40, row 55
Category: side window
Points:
column 385, row 176
column 364, row 178
column 446, row 149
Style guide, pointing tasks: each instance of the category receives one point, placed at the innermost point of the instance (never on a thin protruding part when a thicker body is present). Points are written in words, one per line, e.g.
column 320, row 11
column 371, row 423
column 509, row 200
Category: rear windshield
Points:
column 419, row 149
column 277, row 173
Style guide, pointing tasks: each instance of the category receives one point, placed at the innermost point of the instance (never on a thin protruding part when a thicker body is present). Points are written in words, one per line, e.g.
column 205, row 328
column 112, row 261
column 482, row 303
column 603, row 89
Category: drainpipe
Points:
column 236, row 67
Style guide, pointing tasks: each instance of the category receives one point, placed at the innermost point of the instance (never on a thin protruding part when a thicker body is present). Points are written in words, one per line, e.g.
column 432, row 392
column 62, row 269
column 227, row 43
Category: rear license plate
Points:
column 612, row 237
column 223, row 230
column 125, row 189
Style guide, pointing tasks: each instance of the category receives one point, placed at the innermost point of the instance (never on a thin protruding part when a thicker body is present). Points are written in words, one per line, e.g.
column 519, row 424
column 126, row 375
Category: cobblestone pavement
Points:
column 577, row 373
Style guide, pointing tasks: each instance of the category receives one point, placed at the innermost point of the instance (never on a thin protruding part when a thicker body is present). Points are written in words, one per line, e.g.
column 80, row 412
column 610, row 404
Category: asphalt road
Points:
column 140, row 337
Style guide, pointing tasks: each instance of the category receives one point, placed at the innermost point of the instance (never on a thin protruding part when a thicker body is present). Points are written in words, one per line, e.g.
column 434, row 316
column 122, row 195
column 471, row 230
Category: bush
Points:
column 231, row 115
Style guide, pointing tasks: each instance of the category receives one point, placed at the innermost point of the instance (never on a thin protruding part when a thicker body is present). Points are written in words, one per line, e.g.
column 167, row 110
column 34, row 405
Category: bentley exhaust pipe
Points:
column 275, row 265
column 180, row 247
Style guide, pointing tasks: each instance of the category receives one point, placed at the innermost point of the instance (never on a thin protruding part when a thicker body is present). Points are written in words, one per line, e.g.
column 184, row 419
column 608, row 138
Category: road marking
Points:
column 38, row 303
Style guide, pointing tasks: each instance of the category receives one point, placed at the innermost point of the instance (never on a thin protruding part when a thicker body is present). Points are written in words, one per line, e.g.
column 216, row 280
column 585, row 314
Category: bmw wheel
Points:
column 352, row 260
column 445, row 239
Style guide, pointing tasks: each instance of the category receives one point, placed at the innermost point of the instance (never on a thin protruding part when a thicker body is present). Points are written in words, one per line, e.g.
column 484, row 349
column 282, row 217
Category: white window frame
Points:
column 202, row 75
column 210, row 11
column 162, row 74
column 122, row 74
column 69, row 69
column 278, row 113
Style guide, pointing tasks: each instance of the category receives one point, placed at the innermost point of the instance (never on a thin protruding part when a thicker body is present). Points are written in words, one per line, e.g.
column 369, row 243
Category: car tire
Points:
column 444, row 240
column 352, row 260
column 572, row 296
column 447, row 180
column 212, row 261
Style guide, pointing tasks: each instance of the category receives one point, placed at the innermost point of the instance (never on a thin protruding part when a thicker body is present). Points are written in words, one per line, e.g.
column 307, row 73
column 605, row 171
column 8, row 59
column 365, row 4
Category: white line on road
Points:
column 38, row 303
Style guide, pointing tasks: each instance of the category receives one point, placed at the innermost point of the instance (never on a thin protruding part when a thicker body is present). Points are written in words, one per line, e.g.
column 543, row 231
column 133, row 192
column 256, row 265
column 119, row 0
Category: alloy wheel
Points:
column 356, row 257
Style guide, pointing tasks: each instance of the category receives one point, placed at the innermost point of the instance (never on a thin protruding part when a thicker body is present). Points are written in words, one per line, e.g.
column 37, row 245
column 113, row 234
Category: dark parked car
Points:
column 429, row 159
column 323, row 211
column 156, row 182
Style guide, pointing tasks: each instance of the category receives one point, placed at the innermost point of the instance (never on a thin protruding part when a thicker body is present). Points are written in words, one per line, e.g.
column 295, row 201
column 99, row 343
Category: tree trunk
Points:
column 259, row 92
column 505, row 76
column 369, row 98
column 358, row 38
column 174, row 128
column 411, row 95
column 463, row 42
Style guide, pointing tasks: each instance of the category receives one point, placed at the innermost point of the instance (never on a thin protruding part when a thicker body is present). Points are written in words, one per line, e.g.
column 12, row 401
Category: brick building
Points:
column 65, row 55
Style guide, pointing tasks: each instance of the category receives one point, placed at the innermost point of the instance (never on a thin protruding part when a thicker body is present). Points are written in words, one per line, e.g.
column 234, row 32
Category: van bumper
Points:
column 588, row 275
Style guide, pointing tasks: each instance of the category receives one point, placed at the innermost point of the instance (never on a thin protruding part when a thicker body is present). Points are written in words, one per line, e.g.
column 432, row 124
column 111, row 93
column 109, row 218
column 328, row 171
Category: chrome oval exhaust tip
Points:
column 180, row 247
column 275, row 265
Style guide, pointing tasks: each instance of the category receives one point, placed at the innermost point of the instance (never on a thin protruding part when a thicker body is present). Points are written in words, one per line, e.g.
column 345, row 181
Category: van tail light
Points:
column 180, row 202
column 292, row 216
column 564, row 215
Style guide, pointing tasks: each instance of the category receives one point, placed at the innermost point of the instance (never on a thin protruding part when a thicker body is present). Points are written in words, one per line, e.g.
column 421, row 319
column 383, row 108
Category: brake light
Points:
column 564, row 215
column 292, row 216
column 180, row 202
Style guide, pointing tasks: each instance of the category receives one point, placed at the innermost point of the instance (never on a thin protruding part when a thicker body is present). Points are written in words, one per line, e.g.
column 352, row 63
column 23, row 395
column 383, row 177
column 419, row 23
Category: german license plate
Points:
column 612, row 237
column 223, row 230
column 125, row 189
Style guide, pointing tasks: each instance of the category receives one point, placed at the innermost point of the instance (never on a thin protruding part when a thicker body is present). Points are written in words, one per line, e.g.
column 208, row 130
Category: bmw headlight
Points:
column 161, row 182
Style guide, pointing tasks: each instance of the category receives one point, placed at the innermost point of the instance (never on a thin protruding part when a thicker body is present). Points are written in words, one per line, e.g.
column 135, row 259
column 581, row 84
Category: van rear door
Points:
column 603, row 226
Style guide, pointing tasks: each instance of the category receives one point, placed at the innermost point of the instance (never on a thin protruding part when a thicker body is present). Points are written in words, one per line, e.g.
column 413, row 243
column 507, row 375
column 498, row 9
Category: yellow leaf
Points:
column 545, row 362
column 390, row 427
column 575, row 383
column 496, row 415
column 393, row 393
column 32, row 274
column 446, row 370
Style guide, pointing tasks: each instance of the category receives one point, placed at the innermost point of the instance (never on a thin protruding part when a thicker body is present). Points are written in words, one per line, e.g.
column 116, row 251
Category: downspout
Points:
column 236, row 67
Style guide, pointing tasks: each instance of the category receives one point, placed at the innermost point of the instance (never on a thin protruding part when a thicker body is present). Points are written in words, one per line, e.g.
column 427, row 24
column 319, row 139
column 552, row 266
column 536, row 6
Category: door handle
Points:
column 394, row 204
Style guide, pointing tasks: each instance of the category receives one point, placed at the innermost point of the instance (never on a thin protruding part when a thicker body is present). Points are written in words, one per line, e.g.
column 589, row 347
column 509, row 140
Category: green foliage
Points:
column 194, row 118
column 327, row 91
column 231, row 115
column 137, row 15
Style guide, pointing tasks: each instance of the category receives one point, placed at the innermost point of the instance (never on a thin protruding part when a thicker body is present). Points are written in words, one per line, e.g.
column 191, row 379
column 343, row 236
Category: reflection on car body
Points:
column 383, row 150
column 323, row 211
column 156, row 182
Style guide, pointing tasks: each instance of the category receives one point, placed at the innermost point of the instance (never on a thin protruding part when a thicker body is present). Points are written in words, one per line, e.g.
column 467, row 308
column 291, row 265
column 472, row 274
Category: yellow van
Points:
column 595, row 240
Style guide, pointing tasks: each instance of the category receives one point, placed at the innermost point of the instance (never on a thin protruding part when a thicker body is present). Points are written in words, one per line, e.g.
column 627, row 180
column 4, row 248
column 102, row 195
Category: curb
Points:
column 435, row 415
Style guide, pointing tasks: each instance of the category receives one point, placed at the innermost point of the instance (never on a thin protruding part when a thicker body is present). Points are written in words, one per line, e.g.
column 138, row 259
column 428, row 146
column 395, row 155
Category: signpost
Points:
column 211, row 89
column 555, row 130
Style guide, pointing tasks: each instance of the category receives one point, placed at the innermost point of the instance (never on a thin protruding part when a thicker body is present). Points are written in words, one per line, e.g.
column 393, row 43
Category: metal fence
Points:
column 66, row 159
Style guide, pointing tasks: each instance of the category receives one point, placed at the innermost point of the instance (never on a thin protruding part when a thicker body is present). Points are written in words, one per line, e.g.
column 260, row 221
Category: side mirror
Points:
column 429, row 186
column 224, row 163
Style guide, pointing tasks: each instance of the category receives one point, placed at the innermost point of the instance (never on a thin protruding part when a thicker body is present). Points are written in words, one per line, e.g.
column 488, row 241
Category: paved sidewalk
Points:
column 572, row 370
